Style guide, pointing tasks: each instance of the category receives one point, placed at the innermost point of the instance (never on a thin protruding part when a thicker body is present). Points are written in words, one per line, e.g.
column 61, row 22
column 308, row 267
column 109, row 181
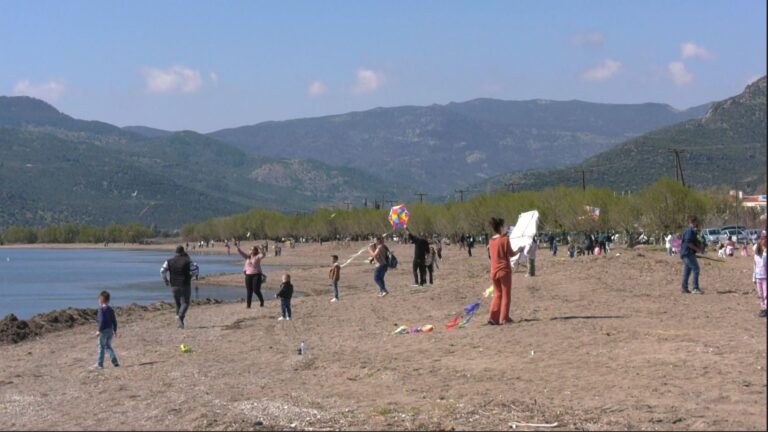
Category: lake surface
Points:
column 40, row 280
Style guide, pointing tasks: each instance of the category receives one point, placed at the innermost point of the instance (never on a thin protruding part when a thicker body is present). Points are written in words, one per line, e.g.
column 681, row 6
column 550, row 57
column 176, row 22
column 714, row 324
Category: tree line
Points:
column 78, row 233
column 661, row 207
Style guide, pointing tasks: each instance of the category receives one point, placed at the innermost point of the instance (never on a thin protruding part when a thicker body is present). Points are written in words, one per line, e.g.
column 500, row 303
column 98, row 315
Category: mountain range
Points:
column 727, row 146
column 439, row 148
column 55, row 168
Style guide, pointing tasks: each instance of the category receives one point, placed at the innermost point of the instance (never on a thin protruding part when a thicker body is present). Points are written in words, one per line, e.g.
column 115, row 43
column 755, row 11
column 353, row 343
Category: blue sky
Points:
column 207, row 65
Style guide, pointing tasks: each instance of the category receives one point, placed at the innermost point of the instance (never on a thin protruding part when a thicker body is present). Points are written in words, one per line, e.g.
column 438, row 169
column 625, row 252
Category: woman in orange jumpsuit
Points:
column 500, row 252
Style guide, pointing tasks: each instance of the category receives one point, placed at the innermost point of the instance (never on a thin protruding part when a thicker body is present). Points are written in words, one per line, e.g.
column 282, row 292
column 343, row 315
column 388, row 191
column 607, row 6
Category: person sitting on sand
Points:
column 253, row 275
column 335, row 274
column 180, row 269
column 501, row 273
column 380, row 254
column 107, row 329
column 285, row 294
column 729, row 246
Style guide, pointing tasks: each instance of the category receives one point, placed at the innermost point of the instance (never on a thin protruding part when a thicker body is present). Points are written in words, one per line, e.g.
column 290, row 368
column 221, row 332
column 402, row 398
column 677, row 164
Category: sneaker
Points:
column 763, row 314
column 334, row 300
column 492, row 322
column 179, row 323
column 685, row 291
column 97, row 366
column 697, row 291
column 281, row 319
column 415, row 285
column 116, row 364
column 384, row 293
column 288, row 319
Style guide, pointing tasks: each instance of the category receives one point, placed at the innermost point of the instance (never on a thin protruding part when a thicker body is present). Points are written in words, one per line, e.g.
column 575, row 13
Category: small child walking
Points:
column 335, row 274
column 107, row 329
column 759, row 274
column 285, row 294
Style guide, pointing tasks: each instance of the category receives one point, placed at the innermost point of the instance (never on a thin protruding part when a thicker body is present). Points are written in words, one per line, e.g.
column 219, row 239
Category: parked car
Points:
column 730, row 227
column 738, row 235
column 711, row 235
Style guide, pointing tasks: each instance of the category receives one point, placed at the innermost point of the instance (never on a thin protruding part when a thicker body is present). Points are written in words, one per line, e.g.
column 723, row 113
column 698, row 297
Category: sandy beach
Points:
column 599, row 343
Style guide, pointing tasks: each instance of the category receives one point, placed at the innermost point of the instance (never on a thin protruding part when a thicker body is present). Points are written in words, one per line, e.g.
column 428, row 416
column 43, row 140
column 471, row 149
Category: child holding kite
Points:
column 500, row 251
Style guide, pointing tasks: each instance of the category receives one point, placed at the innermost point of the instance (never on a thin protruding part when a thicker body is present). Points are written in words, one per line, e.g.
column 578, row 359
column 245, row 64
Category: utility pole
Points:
column 365, row 203
column 349, row 205
column 511, row 186
column 390, row 202
column 421, row 196
column 461, row 193
column 583, row 178
column 678, row 165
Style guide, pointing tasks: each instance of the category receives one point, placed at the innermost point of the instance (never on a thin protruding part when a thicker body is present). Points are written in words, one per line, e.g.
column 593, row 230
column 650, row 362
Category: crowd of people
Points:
column 177, row 271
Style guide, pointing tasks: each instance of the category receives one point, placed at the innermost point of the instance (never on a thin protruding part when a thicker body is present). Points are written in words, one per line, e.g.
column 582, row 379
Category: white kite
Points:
column 523, row 232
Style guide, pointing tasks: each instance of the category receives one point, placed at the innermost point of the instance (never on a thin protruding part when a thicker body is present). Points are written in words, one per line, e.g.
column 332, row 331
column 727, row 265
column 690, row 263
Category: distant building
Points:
column 749, row 200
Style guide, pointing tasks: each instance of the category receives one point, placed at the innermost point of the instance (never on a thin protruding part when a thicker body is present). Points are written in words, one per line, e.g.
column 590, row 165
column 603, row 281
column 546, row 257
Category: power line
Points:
column 421, row 196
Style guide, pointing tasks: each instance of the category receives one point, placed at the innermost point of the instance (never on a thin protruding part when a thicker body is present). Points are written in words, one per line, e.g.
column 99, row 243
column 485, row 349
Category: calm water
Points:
column 41, row 280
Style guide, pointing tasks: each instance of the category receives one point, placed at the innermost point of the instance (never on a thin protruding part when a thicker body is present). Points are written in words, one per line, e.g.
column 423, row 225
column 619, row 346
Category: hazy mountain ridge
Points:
column 727, row 146
column 442, row 147
column 70, row 170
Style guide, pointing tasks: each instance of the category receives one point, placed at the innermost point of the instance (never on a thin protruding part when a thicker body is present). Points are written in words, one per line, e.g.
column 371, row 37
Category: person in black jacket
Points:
column 285, row 294
column 179, row 268
column 420, row 251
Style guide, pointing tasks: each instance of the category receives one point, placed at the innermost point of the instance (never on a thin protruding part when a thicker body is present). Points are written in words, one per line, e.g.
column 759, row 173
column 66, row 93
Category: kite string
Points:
column 357, row 254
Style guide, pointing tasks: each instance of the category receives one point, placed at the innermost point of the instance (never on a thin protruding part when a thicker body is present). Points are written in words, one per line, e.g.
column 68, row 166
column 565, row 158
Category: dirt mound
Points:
column 13, row 330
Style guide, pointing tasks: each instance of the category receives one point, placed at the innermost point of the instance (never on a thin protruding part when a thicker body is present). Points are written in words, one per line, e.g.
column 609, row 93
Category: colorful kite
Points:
column 452, row 324
column 398, row 217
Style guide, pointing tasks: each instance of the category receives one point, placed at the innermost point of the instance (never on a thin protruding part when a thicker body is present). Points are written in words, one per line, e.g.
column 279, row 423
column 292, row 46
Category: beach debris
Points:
column 413, row 330
column 489, row 292
column 471, row 308
column 398, row 216
column 452, row 324
column 185, row 348
column 515, row 424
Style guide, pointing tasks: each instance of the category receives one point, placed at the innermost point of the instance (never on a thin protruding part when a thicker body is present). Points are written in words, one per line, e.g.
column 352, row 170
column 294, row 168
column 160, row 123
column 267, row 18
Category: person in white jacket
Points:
column 668, row 240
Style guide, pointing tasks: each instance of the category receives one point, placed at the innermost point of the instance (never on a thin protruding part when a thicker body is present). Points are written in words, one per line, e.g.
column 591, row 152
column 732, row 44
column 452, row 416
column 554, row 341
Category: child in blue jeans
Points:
column 285, row 294
column 107, row 329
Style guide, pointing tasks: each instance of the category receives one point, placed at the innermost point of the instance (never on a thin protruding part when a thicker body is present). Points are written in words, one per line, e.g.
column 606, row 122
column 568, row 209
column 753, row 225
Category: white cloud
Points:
column 367, row 81
column 691, row 50
column 214, row 78
column 680, row 75
column 175, row 79
column 594, row 39
column 317, row 88
column 602, row 71
column 49, row 91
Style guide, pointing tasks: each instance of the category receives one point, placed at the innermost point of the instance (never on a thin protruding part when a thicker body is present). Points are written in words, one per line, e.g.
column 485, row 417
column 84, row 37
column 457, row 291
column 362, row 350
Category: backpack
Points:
column 391, row 260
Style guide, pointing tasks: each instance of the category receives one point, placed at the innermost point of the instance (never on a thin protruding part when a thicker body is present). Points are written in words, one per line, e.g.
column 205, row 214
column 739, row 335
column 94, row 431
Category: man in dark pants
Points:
column 180, row 282
column 470, row 244
column 688, row 249
column 420, row 251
